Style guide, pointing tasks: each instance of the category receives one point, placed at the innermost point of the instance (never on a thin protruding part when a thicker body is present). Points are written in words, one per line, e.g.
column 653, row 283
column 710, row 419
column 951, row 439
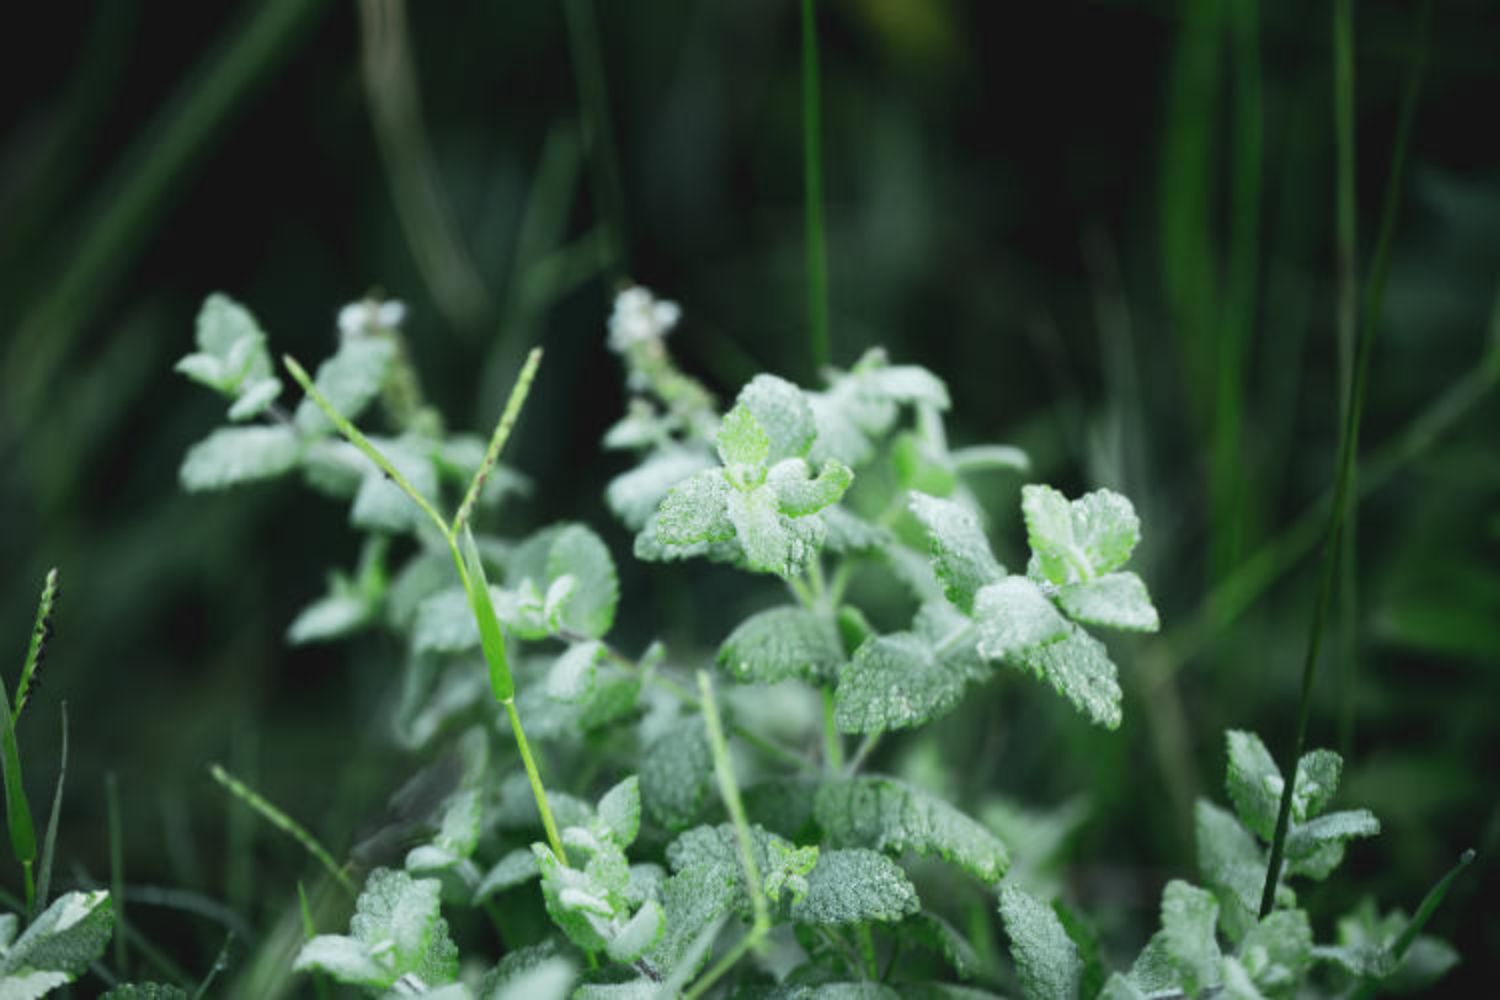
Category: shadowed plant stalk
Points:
column 1349, row 438
column 812, row 177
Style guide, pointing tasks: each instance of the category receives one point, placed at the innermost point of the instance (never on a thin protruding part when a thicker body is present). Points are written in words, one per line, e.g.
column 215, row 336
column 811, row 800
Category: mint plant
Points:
column 658, row 840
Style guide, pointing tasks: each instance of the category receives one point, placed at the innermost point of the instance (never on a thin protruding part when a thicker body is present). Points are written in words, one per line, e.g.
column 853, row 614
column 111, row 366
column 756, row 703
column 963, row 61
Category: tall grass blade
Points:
column 1348, row 448
column 49, row 839
column 812, row 179
column 282, row 822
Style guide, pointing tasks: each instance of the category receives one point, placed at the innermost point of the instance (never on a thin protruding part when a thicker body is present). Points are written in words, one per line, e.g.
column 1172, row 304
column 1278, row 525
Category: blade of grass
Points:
column 812, row 181
column 501, row 434
column 1349, row 446
column 49, row 839
column 282, row 822
column 221, row 962
column 17, row 809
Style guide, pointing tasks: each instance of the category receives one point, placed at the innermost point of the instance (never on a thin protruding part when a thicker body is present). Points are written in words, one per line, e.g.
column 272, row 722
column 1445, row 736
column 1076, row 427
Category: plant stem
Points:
column 833, row 743
column 598, row 134
column 1348, row 325
column 282, row 822
column 812, row 177
column 866, row 747
column 116, row 871
column 729, row 790
column 1348, row 448
column 538, row 790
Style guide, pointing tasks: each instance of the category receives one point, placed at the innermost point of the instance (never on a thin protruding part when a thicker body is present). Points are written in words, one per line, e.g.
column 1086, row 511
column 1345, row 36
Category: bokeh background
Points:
column 1110, row 225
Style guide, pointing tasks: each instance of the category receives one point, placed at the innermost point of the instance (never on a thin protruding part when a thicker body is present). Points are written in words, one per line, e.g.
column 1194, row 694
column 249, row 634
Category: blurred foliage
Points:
column 1044, row 204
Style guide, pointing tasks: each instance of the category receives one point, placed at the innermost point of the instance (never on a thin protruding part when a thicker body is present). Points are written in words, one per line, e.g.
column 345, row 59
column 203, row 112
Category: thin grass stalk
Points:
column 1348, row 448
column 598, row 134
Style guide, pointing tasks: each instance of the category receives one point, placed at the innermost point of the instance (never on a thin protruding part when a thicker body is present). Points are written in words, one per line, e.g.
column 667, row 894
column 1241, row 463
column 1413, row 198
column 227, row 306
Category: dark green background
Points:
column 1037, row 201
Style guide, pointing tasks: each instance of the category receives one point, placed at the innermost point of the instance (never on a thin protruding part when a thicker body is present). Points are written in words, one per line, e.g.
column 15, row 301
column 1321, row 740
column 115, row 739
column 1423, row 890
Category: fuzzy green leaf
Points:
column 695, row 900
column 961, row 554
column 743, row 442
column 886, row 815
column 1080, row 539
column 1119, row 987
column 985, row 457
column 332, row 616
column 1253, row 782
column 1079, row 668
column 233, row 455
column 696, row 510
column 853, row 887
column 1047, row 961
column 898, row 681
column 397, row 930
column 578, row 552
column 635, row 495
column 350, row 380
column 677, row 774
column 536, row 972
column 255, row 398
column 231, row 353
column 797, row 495
column 1015, row 616
column 782, row 411
column 1277, row 952
column 1232, row 865
column 1115, row 600
column 639, row 935
column 1305, row 839
column 516, row 868
column 620, row 809
column 63, row 940
column 1318, row 775
column 381, row 505
column 1189, row 916
column 780, row 643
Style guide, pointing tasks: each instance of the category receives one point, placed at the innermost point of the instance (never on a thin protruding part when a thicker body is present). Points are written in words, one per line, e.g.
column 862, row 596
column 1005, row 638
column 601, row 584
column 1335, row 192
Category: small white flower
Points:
column 370, row 315
column 639, row 317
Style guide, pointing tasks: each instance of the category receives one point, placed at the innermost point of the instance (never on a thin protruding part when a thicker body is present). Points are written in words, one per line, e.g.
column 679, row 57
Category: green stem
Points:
column 833, row 743
column 729, row 790
column 598, row 133
column 1348, row 448
column 116, row 872
column 1348, row 326
column 812, row 176
column 538, row 790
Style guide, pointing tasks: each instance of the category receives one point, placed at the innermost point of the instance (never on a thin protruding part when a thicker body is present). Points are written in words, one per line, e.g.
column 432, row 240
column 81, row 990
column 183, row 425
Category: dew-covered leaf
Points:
column 233, row 455
column 1080, row 539
column 1306, row 839
column 1013, row 616
column 742, row 441
column 1115, row 600
column 578, row 552
column 1253, row 782
column 677, row 774
column 63, row 940
column 1277, row 952
column 780, row 643
column 639, row 935
column 855, row 886
column 696, row 510
column 695, row 900
column 516, row 868
column 1232, row 865
column 1189, row 916
column 634, row 495
column 898, row 681
column 536, row 972
column 887, row 815
column 798, row 493
column 1079, row 668
column 781, row 409
column 620, row 809
column 984, row 457
column 961, row 554
column 1047, row 961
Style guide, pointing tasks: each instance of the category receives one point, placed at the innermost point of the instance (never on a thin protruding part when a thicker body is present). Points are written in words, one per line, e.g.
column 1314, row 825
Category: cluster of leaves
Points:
column 1213, row 941
column 623, row 859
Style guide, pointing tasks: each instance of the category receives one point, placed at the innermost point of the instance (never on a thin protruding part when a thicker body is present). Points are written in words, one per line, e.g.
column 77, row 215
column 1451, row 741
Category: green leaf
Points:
column 1154, row 972
column 482, row 606
column 961, row 554
column 350, row 380
column 620, row 809
column 1317, row 779
column 578, row 552
column 572, row 675
column 639, row 935
column 333, row 616
column 1277, row 953
column 1115, row 600
column 1119, row 987
column 985, row 457
column 782, row 411
column 1232, row 865
column 1189, row 916
column 635, row 495
column 516, row 868
column 397, row 930
column 1306, row 839
column 1047, row 961
column 1014, row 616
column 536, row 972
column 255, row 398
column 930, row 931
column 886, row 815
column 63, row 940
column 1080, row 669
column 797, row 495
column 768, row 546
column 231, row 348
column 677, row 774
column 1080, row 539
column 1237, row 984
column 233, row 455
column 898, row 681
column 695, row 900
column 1253, row 782
column 853, row 887
column 743, row 442
column 780, row 643
column 696, row 510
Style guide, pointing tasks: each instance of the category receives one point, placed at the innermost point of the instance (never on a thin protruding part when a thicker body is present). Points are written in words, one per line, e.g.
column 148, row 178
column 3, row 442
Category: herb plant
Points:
column 627, row 820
